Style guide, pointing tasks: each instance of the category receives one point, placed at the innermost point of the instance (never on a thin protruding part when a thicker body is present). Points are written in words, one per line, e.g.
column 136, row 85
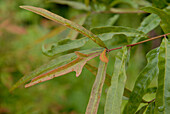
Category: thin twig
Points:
column 130, row 45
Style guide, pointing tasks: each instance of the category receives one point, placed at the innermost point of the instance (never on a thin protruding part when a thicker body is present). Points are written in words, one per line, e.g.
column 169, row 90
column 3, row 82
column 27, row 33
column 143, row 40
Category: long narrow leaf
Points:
column 141, row 110
column 118, row 30
column 126, row 93
column 75, row 65
column 148, row 24
column 93, row 104
column 93, row 70
column 144, row 79
column 162, row 101
column 65, row 22
column 55, row 63
column 66, row 47
column 79, row 20
column 115, row 91
column 165, row 17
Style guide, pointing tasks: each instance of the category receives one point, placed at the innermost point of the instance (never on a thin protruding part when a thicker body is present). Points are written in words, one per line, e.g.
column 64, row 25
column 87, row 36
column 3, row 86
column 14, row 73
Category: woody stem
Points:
column 130, row 45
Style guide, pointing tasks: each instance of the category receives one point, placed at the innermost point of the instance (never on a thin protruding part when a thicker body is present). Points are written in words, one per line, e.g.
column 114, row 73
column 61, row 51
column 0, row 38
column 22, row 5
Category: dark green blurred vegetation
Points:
column 22, row 34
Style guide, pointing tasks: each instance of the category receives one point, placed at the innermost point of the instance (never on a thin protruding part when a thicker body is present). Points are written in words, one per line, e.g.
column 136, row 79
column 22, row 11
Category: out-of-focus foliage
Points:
column 116, row 22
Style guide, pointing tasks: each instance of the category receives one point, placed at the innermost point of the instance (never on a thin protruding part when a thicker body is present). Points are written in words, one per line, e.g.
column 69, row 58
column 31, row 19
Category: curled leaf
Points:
column 103, row 57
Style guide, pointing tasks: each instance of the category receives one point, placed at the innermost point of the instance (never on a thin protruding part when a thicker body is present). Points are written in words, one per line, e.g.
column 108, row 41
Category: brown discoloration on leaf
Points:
column 103, row 57
column 76, row 65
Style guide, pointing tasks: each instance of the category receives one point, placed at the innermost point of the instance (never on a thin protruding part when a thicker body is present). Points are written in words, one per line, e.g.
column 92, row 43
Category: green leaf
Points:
column 143, row 81
column 94, row 100
column 65, row 22
column 115, row 91
column 112, row 20
column 141, row 110
column 74, row 4
column 55, row 63
column 162, row 101
column 148, row 24
column 130, row 2
column 151, row 90
column 165, row 18
column 125, row 10
column 118, row 30
column 75, row 65
column 93, row 70
column 66, row 47
column 150, row 109
column 159, row 3
column 79, row 20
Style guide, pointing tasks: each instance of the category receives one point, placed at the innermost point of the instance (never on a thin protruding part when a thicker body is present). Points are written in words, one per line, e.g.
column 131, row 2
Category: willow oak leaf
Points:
column 65, row 22
column 75, row 65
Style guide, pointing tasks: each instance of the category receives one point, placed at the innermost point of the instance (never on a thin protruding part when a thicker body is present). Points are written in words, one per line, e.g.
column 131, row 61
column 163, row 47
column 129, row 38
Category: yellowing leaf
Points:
column 76, row 65
column 103, row 57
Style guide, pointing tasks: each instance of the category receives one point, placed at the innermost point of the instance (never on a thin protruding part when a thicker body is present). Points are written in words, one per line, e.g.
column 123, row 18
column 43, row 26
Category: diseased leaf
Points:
column 162, row 102
column 118, row 30
column 144, row 79
column 141, row 110
column 96, row 91
column 165, row 23
column 115, row 91
column 65, row 22
column 74, row 4
column 76, row 65
column 55, row 63
column 103, row 57
column 150, row 109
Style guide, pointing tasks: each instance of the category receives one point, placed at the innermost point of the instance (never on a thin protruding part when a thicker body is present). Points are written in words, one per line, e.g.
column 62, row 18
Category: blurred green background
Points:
column 22, row 34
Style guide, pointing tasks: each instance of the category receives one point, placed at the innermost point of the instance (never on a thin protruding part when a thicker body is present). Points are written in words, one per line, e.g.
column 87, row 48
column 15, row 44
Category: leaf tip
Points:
column 21, row 6
column 103, row 57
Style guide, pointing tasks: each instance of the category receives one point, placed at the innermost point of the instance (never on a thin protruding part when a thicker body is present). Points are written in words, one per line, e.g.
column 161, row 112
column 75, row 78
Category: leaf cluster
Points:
column 72, row 54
